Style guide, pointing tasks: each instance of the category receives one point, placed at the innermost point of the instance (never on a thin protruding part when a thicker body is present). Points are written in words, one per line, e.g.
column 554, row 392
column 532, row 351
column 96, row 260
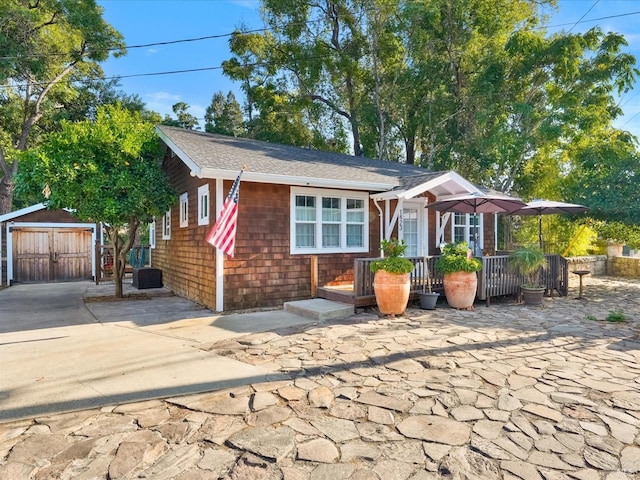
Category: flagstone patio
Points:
column 505, row 392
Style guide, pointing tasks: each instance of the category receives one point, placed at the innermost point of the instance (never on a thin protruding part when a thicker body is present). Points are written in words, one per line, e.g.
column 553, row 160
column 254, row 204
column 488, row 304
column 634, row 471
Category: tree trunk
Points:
column 118, row 265
column 120, row 250
column 6, row 195
column 410, row 148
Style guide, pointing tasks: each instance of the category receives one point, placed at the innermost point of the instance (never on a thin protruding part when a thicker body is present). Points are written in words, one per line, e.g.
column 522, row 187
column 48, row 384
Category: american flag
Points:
column 223, row 233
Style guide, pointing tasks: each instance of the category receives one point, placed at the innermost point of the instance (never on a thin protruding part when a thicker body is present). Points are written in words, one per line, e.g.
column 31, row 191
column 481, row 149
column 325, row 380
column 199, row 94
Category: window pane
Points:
column 330, row 209
column 305, row 235
column 355, row 236
column 355, row 210
column 204, row 206
column 330, row 235
column 410, row 231
column 305, row 208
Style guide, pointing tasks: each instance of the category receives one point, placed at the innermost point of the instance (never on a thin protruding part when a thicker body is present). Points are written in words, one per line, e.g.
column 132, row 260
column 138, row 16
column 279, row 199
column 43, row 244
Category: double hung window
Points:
column 328, row 221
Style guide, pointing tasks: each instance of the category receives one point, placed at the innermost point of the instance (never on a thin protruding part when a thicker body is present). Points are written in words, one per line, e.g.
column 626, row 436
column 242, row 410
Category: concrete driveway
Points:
column 58, row 353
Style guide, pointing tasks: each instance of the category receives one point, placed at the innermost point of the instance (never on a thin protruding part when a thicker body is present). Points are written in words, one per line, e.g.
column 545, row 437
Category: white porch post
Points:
column 441, row 224
column 425, row 231
column 219, row 253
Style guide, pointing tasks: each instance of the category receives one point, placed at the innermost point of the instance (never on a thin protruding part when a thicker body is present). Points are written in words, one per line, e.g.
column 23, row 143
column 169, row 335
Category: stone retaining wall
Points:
column 628, row 267
column 596, row 264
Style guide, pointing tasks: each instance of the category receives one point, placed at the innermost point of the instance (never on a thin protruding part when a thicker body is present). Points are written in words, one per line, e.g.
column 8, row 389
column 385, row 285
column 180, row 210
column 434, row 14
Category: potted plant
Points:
column 528, row 261
column 391, row 282
column 428, row 299
column 459, row 268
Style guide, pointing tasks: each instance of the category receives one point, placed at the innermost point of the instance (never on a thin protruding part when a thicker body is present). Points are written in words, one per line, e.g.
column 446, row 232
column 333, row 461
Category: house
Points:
column 304, row 217
column 38, row 245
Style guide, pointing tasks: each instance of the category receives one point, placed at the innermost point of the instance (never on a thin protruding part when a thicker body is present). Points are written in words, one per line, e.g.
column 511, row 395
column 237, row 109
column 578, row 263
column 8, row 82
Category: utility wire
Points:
column 224, row 35
column 582, row 17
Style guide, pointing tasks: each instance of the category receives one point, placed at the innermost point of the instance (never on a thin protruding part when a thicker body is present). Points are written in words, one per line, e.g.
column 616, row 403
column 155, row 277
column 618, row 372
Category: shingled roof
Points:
column 219, row 156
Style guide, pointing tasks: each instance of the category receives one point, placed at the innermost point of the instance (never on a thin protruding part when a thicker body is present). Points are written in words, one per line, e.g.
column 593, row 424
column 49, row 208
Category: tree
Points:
column 224, row 115
column 183, row 118
column 90, row 94
column 108, row 171
column 45, row 45
column 474, row 86
column 312, row 55
column 270, row 113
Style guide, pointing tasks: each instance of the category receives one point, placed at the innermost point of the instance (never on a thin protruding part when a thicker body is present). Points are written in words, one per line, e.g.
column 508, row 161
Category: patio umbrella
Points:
column 548, row 207
column 478, row 202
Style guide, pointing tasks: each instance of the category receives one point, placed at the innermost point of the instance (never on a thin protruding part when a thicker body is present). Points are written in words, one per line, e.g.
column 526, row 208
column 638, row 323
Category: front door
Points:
column 412, row 229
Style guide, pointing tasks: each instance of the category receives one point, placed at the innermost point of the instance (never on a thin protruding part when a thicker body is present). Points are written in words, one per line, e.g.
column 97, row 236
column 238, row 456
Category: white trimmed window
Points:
column 464, row 227
column 203, row 205
column 152, row 234
column 184, row 210
column 329, row 221
column 166, row 225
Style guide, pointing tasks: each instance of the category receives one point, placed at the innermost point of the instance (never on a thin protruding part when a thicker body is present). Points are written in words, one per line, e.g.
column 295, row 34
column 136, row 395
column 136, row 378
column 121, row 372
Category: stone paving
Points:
column 505, row 392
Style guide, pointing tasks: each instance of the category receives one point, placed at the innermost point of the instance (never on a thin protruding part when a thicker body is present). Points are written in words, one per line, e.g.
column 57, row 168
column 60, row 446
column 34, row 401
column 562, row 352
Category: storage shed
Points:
column 38, row 245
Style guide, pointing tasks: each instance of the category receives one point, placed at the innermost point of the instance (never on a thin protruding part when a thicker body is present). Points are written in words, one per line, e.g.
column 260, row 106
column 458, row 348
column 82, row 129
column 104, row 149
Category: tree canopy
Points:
column 474, row 86
column 108, row 171
column 46, row 45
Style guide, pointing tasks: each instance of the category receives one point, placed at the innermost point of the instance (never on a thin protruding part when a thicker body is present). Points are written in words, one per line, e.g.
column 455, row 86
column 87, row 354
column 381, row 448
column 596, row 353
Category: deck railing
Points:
column 495, row 279
column 363, row 278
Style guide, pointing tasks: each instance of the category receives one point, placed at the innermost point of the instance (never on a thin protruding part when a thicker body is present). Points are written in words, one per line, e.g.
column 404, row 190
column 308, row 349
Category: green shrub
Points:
column 456, row 257
column 616, row 316
column 528, row 261
column 392, row 261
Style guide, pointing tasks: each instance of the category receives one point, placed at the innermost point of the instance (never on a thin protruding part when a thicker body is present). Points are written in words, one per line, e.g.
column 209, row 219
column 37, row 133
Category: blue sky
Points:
column 145, row 21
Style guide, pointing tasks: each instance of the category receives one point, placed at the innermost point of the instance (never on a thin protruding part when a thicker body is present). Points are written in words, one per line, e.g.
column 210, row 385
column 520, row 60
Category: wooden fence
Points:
column 495, row 279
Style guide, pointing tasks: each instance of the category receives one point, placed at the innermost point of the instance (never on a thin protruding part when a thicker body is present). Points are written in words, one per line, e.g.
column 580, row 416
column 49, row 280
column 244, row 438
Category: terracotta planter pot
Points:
column 392, row 292
column 460, row 289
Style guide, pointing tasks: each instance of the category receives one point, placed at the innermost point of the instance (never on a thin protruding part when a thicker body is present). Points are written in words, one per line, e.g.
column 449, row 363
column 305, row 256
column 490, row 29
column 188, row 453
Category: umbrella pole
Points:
column 540, row 232
column 477, row 251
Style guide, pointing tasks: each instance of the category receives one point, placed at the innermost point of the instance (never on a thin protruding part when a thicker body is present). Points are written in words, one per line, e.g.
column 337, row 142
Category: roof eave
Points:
column 450, row 177
column 297, row 181
column 22, row 211
column 196, row 171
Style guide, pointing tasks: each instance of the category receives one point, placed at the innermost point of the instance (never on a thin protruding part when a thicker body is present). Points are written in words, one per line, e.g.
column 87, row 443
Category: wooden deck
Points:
column 494, row 280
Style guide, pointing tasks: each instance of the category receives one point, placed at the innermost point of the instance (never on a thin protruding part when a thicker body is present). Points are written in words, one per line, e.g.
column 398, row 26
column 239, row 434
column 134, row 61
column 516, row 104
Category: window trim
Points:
column 184, row 210
column 469, row 228
column 166, row 225
column 152, row 234
column 203, row 191
column 319, row 193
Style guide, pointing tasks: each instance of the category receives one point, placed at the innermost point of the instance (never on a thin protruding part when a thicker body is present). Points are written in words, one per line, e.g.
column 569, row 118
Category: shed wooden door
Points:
column 50, row 254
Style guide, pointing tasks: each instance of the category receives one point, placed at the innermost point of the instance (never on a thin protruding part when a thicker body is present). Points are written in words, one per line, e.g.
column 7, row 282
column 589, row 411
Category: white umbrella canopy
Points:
column 478, row 202
column 548, row 207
